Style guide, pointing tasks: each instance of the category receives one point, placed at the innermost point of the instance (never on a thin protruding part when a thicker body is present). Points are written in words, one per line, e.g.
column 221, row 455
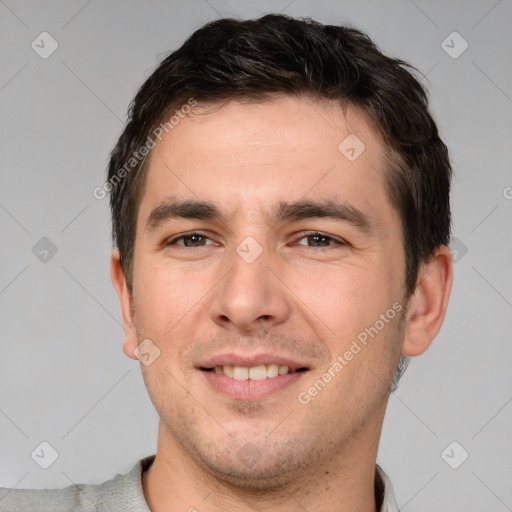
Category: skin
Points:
column 305, row 298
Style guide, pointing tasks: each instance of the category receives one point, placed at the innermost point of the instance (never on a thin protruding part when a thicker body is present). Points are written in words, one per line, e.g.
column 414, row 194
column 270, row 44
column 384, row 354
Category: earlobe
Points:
column 428, row 304
column 126, row 302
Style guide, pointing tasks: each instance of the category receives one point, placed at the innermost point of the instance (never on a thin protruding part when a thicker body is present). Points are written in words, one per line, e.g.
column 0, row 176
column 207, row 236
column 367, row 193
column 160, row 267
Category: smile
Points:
column 259, row 372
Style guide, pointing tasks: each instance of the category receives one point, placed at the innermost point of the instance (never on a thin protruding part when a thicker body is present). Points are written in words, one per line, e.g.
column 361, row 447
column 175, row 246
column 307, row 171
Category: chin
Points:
column 258, row 466
column 262, row 477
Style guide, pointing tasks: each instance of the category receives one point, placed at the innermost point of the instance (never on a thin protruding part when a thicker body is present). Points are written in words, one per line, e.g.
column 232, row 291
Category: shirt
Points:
column 124, row 493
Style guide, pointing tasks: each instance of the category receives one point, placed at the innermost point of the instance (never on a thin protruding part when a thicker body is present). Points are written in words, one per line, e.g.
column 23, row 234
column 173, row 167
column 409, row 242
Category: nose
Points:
column 250, row 297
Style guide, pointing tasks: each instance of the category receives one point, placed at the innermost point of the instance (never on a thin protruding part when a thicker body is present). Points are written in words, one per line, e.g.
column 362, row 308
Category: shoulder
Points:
column 123, row 493
column 32, row 500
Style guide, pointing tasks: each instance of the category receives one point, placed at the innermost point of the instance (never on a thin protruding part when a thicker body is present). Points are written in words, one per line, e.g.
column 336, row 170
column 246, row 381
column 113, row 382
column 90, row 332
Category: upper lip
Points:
column 245, row 360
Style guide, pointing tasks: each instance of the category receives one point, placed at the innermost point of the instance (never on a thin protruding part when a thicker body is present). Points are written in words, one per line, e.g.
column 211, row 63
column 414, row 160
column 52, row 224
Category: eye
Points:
column 320, row 240
column 190, row 240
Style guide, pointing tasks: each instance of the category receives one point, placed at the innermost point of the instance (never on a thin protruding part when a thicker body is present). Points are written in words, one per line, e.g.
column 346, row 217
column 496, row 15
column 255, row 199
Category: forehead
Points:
column 247, row 156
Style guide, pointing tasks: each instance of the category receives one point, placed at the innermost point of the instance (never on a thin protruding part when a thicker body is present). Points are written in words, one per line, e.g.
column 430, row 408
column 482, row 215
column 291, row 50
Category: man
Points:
column 280, row 206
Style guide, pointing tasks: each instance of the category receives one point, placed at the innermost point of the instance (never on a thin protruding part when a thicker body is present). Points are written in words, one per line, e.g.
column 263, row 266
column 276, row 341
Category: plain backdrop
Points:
column 64, row 379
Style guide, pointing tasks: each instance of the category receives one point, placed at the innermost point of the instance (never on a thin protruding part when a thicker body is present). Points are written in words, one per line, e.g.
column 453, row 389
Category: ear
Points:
column 428, row 304
column 126, row 301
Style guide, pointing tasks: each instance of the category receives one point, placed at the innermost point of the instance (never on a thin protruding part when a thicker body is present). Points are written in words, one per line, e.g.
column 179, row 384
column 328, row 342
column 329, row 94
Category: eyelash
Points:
column 336, row 242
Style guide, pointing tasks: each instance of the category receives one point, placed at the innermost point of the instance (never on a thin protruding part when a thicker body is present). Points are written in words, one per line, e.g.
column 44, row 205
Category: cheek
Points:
column 345, row 299
column 165, row 295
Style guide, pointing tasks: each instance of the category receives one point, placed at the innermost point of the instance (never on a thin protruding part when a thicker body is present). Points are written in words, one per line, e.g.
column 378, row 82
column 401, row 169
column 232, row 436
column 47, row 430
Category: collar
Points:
column 384, row 494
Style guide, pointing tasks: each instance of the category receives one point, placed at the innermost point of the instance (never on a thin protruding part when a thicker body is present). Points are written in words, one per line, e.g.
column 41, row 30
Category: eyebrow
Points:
column 292, row 211
column 182, row 210
column 337, row 210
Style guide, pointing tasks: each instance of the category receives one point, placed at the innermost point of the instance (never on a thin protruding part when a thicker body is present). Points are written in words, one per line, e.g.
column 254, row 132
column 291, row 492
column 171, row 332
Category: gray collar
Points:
column 383, row 488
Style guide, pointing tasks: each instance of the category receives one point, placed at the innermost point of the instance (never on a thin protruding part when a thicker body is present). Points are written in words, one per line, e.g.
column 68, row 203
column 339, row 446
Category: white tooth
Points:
column 283, row 370
column 272, row 370
column 240, row 373
column 258, row 373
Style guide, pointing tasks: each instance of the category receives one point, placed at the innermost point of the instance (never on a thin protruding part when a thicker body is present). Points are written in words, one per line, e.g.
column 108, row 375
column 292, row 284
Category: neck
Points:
column 345, row 482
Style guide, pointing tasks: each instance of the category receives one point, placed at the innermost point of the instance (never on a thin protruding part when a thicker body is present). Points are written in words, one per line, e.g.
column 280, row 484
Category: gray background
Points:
column 63, row 376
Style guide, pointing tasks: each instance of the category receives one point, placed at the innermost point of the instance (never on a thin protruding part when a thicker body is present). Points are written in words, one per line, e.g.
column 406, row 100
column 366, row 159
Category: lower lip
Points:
column 250, row 389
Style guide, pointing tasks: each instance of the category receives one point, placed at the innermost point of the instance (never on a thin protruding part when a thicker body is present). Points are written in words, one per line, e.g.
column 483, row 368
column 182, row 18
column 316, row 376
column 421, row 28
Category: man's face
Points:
column 260, row 243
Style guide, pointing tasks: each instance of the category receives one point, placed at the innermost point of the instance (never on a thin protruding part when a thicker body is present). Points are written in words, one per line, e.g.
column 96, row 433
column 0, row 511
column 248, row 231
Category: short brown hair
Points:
column 252, row 59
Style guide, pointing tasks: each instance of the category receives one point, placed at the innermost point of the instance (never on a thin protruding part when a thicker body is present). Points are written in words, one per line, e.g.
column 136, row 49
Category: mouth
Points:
column 259, row 372
column 242, row 378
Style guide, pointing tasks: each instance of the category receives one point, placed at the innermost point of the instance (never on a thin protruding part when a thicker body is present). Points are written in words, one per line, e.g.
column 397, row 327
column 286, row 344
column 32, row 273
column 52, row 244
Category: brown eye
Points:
column 318, row 240
column 191, row 240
